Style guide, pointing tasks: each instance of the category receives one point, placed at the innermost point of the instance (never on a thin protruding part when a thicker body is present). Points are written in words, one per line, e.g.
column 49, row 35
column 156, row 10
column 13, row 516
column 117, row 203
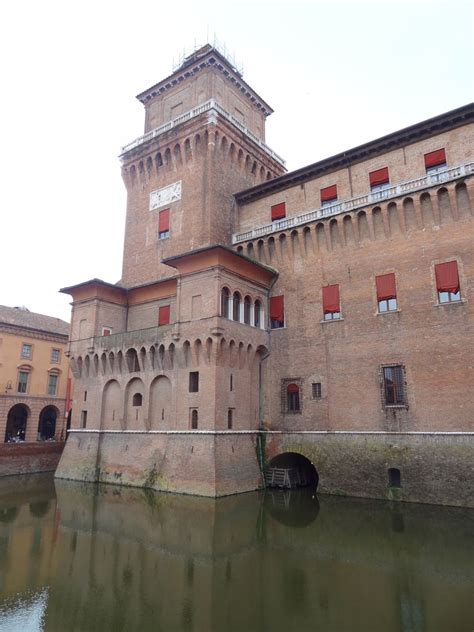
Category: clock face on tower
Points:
column 166, row 195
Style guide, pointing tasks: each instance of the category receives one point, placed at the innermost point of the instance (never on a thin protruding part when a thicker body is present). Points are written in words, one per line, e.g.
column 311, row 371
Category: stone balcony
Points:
column 403, row 188
column 210, row 106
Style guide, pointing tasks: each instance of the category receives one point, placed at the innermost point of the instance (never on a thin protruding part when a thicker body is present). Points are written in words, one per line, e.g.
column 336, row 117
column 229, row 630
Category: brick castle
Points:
column 320, row 316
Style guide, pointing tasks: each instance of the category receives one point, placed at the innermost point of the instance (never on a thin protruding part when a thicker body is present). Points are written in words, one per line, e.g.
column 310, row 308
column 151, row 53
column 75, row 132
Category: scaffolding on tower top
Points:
column 200, row 50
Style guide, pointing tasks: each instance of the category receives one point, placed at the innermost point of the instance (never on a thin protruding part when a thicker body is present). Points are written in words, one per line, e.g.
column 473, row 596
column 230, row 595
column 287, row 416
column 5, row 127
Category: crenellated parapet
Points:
column 390, row 218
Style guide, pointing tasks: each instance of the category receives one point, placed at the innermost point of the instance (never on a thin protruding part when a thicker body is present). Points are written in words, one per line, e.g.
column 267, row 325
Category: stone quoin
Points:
column 325, row 312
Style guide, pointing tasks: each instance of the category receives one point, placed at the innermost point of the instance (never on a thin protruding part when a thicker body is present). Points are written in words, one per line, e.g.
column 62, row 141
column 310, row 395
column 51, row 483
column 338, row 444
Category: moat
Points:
column 85, row 557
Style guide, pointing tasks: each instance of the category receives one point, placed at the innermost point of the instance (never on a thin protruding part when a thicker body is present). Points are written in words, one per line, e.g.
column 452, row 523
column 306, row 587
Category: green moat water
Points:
column 79, row 557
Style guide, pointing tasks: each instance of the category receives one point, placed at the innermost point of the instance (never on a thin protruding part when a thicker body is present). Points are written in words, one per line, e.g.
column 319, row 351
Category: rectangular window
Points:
column 194, row 382
column 52, row 385
column 293, row 398
column 164, row 315
column 83, row 418
column 106, row 331
column 393, row 386
column 164, row 224
column 447, row 282
column 230, row 418
column 316, row 390
column 331, row 302
column 55, row 355
column 22, row 381
column 435, row 160
column 26, row 351
column 386, row 292
column 277, row 312
column 379, row 179
column 328, row 195
column 278, row 211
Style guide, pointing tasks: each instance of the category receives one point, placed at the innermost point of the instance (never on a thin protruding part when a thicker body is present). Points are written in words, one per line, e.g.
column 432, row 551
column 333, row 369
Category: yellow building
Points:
column 35, row 383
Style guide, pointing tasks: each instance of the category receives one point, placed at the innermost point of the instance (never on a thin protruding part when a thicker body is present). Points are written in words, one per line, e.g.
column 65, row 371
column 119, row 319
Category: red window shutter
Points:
column 331, row 303
column 278, row 211
column 164, row 221
column 277, row 308
column 293, row 388
column 106, row 332
column 329, row 193
column 435, row 158
column 164, row 315
column 379, row 177
column 386, row 287
column 447, row 277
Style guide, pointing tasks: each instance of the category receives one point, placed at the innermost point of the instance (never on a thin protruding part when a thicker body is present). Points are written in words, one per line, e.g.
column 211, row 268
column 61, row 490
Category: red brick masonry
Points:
column 25, row 458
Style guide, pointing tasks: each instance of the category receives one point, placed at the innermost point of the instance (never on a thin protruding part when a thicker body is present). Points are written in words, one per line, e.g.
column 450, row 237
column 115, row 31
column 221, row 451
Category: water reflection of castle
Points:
column 127, row 559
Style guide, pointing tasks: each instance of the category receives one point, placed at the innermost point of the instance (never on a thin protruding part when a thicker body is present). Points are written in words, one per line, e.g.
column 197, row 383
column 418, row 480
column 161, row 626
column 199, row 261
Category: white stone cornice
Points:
column 398, row 190
column 213, row 109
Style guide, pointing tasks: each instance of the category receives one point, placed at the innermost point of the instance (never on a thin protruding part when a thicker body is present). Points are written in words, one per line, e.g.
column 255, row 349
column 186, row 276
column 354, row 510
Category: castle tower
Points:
column 204, row 140
column 168, row 363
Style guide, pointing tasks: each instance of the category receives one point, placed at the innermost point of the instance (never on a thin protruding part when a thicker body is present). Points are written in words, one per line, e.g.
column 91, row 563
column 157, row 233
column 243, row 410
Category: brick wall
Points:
column 27, row 458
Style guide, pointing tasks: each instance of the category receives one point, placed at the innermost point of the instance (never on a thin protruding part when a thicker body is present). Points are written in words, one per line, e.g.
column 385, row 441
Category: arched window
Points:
column 236, row 307
column 247, row 309
column 225, row 296
column 137, row 399
column 293, row 398
column 194, row 419
column 257, row 308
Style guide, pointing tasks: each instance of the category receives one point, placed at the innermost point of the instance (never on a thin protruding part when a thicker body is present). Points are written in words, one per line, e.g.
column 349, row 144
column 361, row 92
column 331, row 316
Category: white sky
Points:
column 337, row 74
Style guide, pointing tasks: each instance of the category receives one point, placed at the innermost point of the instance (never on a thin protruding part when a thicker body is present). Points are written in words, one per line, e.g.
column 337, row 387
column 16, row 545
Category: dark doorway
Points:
column 290, row 470
column 394, row 477
column 16, row 423
column 47, row 423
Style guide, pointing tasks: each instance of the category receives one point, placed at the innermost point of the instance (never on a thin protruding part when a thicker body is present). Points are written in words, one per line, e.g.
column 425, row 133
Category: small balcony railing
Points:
column 131, row 338
column 397, row 190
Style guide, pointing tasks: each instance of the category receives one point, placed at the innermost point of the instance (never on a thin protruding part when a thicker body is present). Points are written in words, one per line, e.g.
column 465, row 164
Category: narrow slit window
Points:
column 194, row 381
column 316, row 390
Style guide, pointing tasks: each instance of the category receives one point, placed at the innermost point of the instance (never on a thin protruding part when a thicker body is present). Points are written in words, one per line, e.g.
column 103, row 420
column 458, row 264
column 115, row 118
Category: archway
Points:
column 47, row 423
column 134, row 415
column 16, row 423
column 160, row 402
column 290, row 470
column 111, row 406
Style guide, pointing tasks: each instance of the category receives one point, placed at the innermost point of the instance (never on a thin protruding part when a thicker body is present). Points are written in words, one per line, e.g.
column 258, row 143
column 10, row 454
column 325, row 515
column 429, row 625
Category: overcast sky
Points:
column 336, row 74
